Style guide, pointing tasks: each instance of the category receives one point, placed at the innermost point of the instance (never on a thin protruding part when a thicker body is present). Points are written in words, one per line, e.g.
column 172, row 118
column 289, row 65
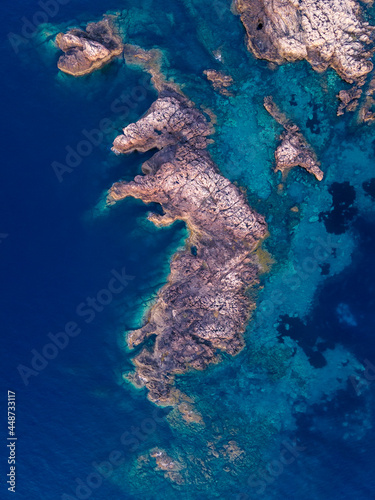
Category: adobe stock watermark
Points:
column 87, row 310
column 130, row 441
column 259, row 481
column 47, row 10
column 362, row 382
column 126, row 102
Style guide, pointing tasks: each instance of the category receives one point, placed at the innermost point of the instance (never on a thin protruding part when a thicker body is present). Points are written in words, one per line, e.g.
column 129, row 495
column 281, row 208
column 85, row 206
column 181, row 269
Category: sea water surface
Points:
column 60, row 247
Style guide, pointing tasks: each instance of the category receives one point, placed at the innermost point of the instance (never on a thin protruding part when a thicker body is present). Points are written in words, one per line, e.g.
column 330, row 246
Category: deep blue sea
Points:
column 59, row 248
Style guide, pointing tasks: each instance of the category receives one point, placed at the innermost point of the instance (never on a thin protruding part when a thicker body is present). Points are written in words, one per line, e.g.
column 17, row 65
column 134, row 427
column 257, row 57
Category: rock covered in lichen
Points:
column 327, row 33
column 203, row 308
column 293, row 150
column 86, row 51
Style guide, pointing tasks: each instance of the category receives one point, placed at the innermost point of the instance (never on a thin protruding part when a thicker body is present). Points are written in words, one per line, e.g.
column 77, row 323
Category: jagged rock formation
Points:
column 294, row 150
column 86, row 51
column 324, row 32
column 203, row 308
column 219, row 80
column 349, row 100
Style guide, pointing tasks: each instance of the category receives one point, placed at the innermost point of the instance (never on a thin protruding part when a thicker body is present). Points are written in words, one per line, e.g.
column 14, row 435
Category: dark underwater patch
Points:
column 325, row 268
column 298, row 331
column 369, row 187
column 293, row 101
column 313, row 123
column 338, row 218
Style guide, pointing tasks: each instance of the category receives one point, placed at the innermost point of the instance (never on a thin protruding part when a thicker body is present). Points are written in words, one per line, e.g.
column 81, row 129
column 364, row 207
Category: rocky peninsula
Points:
column 86, row 51
column 326, row 33
column 204, row 307
column 293, row 150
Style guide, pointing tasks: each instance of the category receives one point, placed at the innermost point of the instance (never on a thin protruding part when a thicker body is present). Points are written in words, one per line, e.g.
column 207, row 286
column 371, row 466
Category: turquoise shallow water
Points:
column 294, row 386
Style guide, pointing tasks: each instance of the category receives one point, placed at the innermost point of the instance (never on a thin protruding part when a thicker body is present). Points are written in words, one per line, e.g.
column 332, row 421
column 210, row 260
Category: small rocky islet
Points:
column 293, row 150
column 87, row 51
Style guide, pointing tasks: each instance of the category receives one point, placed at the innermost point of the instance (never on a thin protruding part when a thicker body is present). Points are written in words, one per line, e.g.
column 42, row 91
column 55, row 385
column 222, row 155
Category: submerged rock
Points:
column 327, row 33
column 345, row 316
column 173, row 469
column 203, row 309
column 86, row 51
column 150, row 61
column 219, row 80
column 294, row 150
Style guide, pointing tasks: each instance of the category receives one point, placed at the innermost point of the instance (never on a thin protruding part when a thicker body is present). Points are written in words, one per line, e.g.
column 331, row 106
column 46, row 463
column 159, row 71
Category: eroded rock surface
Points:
column 294, row 150
column 86, row 51
column 204, row 307
column 349, row 100
column 324, row 32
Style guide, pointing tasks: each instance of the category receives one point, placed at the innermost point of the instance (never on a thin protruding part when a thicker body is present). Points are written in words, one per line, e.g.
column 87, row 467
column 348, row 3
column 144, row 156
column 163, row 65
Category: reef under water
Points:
column 241, row 330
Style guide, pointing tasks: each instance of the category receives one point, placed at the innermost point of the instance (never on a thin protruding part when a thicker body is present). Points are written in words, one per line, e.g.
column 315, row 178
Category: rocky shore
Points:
column 293, row 150
column 86, row 51
column 204, row 307
column 326, row 33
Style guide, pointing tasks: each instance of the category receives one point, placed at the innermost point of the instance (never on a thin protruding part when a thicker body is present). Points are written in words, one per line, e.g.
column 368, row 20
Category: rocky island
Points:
column 324, row 33
column 86, row 51
column 293, row 150
column 204, row 307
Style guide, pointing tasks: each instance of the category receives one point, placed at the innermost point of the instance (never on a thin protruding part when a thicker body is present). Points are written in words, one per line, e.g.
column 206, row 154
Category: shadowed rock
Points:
column 324, row 32
column 86, row 51
column 204, row 307
column 294, row 150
